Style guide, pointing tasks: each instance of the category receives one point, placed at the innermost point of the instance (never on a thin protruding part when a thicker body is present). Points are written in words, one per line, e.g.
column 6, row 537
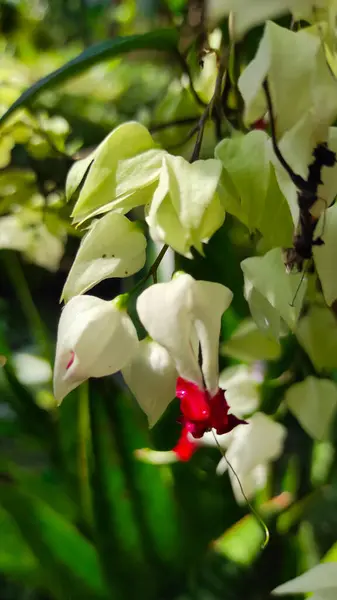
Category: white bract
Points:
column 251, row 448
column 242, row 386
column 321, row 580
column 113, row 247
column 183, row 314
column 185, row 210
column 95, row 338
column 151, row 377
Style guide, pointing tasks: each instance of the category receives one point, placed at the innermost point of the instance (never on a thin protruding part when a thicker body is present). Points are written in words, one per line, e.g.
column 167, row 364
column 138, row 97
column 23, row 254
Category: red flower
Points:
column 200, row 413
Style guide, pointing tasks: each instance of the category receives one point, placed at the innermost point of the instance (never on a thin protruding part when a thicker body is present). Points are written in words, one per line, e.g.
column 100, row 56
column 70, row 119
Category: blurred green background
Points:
column 80, row 516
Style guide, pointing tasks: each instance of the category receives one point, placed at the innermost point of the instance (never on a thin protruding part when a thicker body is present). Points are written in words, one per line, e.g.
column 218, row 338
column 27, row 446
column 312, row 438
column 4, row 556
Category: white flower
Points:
column 182, row 316
column 250, row 448
column 95, row 338
column 321, row 580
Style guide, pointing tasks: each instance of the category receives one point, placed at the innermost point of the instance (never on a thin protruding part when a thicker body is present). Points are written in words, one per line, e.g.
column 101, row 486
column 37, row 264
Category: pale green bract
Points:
column 122, row 165
column 317, row 334
column 248, row 343
column 314, row 403
column 325, row 256
column 186, row 210
column 249, row 190
column 113, row 247
column 311, row 84
column 27, row 233
column 270, row 292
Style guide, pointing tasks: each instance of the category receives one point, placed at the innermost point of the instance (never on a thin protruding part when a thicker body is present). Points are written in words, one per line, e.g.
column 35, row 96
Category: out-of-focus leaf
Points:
column 68, row 560
column 243, row 542
column 159, row 40
column 118, row 533
column 16, row 558
column 134, row 501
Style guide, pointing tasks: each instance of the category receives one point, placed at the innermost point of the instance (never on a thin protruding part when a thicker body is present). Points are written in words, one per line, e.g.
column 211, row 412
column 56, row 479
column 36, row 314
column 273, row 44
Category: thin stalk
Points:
column 83, row 443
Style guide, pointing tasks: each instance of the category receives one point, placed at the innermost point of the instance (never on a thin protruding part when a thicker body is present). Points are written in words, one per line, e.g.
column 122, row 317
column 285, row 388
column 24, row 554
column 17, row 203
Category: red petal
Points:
column 219, row 412
column 193, row 401
column 185, row 448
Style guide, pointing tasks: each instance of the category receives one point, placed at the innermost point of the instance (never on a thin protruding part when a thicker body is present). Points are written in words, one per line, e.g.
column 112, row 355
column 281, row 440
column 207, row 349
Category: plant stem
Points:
column 211, row 108
column 174, row 123
column 83, row 440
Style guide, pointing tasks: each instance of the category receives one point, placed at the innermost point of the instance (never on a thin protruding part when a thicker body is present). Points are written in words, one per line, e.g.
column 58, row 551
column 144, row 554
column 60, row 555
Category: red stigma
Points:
column 200, row 413
column 71, row 360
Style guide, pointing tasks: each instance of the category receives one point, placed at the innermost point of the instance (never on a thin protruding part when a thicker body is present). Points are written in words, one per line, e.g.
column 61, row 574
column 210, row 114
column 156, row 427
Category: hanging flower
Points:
column 95, row 338
column 184, row 317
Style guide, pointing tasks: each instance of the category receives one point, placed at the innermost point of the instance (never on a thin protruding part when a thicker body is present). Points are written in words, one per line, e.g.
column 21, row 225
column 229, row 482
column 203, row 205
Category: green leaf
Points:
column 16, row 558
column 113, row 247
column 160, row 40
column 314, row 403
column 68, row 560
column 317, row 334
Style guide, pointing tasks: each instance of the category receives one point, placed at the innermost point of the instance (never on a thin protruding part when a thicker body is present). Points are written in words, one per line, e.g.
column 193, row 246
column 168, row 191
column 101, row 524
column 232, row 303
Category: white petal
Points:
column 210, row 300
column 165, row 309
column 321, row 577
column 181, row 313
column 94, row 339
column 151, row 377
column 113, row 247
